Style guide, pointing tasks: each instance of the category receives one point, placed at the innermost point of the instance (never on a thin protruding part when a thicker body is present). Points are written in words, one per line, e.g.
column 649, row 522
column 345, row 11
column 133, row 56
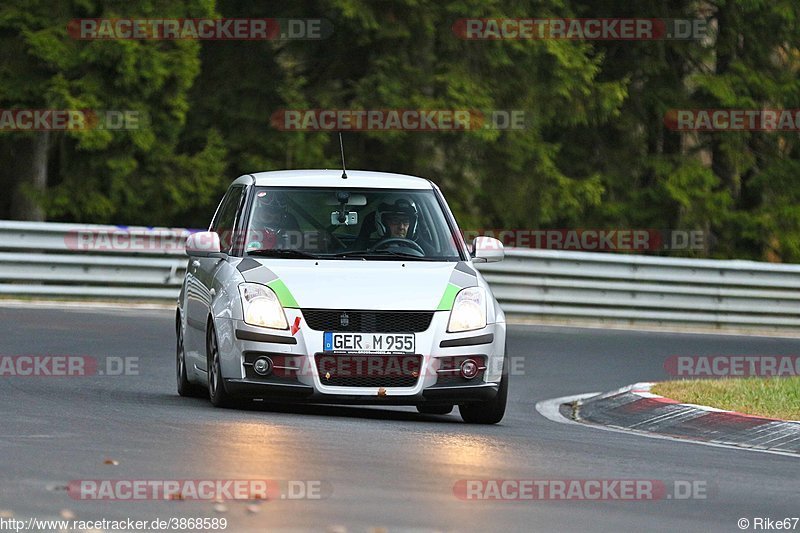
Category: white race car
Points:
column 315, row 286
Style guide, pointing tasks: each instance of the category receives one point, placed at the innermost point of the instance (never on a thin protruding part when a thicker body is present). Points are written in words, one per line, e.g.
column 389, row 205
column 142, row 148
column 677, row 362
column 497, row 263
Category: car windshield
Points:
column 388, row 224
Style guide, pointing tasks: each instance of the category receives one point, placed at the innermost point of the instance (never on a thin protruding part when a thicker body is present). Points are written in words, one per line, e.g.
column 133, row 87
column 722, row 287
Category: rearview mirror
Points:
column 204, row 244
column 356, row 199
column 487, row 250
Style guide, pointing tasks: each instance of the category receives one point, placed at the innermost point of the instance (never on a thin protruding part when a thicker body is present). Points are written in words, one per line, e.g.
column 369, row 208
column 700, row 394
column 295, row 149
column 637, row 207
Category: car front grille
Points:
column 345, row 370
column 368, row 321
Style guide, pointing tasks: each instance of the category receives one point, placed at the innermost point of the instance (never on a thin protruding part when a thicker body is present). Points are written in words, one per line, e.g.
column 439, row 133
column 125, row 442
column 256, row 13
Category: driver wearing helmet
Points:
column 397, row 225
column 398, row 220
column 392, row 227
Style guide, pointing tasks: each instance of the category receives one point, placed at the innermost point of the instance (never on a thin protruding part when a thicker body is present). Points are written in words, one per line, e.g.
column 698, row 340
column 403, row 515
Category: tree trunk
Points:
column 30, row 176
column 722, row 164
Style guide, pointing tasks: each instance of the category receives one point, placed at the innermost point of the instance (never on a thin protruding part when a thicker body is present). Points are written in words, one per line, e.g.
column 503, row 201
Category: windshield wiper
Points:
column 287, row 253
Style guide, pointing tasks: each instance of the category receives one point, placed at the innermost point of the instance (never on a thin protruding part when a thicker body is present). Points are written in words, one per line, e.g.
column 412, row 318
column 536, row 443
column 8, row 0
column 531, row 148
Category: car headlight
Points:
column 261, row 306
column 469, row 310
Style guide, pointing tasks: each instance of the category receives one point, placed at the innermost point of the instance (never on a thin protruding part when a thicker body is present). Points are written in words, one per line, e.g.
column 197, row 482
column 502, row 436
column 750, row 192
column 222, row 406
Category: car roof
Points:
column 333, row 178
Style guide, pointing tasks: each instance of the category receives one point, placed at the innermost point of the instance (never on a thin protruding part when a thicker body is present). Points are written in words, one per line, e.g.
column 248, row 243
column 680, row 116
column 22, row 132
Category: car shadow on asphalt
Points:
column 349, row 411
column 345, row 411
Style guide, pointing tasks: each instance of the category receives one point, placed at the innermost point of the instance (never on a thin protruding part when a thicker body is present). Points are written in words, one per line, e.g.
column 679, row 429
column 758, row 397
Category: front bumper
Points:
column 281, row 392
column 296, row 349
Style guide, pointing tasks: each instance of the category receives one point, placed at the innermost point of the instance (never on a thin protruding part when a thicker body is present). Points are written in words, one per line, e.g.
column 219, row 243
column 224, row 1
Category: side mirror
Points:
column 204, row 244
column 487, row 250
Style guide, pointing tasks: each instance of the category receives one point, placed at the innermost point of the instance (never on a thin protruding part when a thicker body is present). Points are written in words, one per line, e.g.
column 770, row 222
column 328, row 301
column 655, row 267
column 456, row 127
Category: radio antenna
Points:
column 341, row 147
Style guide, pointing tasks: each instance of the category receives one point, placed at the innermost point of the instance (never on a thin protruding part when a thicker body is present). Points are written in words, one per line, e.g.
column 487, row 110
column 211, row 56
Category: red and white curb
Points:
column 635, row 409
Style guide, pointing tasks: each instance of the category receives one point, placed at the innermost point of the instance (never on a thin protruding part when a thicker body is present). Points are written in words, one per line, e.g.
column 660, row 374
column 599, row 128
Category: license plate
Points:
column 388, row 343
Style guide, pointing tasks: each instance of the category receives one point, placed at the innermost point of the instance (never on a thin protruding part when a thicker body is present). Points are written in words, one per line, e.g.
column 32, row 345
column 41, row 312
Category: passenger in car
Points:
column 277, row 227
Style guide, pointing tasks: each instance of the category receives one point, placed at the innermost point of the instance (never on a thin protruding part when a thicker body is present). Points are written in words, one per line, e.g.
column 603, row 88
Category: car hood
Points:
column 352, row 284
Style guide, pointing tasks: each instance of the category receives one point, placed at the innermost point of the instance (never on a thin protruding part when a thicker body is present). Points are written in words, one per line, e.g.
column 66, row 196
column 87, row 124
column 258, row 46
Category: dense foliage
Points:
column 595, row 151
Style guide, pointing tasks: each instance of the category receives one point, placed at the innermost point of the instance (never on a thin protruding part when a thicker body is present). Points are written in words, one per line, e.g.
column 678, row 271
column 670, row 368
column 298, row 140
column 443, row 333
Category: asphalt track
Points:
column 388, row 468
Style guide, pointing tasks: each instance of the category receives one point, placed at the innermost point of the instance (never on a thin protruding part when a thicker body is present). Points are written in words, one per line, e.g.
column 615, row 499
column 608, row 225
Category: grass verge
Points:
column 770, row 397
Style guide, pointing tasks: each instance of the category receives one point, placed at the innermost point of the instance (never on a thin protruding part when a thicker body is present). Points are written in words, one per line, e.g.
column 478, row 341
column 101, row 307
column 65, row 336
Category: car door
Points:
column 200, row 277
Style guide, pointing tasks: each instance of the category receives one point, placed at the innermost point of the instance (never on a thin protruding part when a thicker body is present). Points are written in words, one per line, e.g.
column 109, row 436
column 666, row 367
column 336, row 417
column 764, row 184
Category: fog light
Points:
column 469, row 369
column 263, row 366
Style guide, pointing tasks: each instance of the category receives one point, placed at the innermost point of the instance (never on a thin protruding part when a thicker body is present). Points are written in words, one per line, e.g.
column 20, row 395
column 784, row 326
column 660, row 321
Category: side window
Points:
column 225, row 221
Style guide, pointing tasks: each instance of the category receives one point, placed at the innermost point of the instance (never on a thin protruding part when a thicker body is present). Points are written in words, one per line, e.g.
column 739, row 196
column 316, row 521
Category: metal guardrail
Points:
column 90, row 261
column 643, row 289
column 51, row 260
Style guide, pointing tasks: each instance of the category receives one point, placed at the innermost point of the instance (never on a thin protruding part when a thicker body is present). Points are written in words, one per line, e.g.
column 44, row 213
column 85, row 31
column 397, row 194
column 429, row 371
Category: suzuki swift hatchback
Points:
column 317, row 287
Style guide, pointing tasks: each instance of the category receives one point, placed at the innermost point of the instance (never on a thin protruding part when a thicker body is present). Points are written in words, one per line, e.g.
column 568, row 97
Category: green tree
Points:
column 102, row 175
column 403, row 54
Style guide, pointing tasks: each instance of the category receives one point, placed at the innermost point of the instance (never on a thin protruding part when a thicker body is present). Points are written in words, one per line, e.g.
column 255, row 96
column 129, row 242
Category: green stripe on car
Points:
column 282, row 292
column 449, row 296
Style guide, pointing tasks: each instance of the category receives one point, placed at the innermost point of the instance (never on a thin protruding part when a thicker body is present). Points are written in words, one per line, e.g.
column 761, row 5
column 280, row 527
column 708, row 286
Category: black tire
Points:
column 185, row 387
column 435, row 409
column 216, row 384
column 490, row 411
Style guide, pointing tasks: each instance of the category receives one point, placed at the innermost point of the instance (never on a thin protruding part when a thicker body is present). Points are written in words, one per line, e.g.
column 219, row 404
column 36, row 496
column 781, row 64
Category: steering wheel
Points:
column 398, row 240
